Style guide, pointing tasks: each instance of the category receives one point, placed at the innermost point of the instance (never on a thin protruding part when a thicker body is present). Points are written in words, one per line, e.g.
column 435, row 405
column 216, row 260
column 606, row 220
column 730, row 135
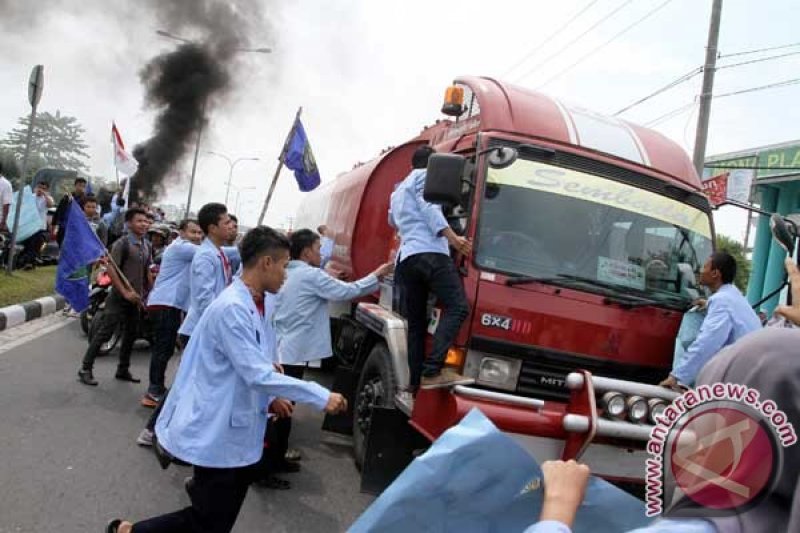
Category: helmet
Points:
column 161, row 229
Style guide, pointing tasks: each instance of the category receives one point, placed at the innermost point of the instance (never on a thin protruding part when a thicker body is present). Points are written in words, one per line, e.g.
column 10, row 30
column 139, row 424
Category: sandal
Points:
column 275, row 483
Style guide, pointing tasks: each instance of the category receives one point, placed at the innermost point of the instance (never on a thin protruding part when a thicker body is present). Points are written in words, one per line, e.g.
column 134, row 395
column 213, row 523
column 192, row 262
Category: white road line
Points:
column 19, row 335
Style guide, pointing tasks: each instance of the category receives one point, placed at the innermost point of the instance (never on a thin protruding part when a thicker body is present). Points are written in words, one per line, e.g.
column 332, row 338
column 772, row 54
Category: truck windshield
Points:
column 548, row 222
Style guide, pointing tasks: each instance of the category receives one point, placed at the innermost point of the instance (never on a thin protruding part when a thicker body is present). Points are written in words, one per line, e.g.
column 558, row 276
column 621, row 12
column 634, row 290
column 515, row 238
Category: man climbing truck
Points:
column 588, row 235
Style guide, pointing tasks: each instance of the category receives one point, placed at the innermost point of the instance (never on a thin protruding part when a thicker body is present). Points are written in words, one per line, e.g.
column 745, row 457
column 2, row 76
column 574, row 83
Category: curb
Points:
column 16, row 314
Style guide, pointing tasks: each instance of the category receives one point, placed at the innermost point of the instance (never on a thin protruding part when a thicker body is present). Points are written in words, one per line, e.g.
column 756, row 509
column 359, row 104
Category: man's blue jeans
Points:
column 417, row 277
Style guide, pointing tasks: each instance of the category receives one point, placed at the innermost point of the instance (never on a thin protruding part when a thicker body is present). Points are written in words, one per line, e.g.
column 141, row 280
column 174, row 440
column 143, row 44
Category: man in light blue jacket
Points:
column 212, row 271
column 729, row 318
column 301, row 318
column 216, row 413
column 167, row 303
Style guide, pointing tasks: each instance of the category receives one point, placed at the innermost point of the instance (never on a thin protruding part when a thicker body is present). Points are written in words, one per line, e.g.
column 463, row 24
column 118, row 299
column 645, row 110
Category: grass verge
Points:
column 23, row 286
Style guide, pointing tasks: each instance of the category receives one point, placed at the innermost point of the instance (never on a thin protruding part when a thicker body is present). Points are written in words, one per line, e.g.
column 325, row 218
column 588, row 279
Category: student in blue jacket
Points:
column 216, row 413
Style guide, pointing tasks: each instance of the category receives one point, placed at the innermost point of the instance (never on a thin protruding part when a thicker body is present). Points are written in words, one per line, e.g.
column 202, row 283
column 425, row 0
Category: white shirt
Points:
column 5, row 194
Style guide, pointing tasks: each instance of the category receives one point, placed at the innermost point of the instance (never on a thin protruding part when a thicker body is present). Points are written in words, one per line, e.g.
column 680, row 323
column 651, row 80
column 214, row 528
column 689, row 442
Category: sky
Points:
column 370, row 74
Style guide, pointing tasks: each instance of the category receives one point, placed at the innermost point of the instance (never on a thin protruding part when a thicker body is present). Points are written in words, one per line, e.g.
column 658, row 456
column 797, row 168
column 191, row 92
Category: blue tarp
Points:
column 475, row 478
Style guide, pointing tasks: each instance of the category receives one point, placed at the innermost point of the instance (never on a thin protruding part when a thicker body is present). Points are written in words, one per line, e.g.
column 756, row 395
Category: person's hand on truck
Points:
column 461, row 244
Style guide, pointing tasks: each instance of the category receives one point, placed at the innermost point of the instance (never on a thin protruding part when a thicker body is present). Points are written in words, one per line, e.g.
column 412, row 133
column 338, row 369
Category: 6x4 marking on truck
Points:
column 496, row 321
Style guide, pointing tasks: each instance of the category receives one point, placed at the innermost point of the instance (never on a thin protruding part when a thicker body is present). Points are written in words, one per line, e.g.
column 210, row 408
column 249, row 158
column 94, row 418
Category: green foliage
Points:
column 736, row 249
column 57, row 143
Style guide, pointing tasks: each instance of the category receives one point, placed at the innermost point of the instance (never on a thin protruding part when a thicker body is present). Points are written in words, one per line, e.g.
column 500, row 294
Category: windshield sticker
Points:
column 567, row 182
column 621, row 273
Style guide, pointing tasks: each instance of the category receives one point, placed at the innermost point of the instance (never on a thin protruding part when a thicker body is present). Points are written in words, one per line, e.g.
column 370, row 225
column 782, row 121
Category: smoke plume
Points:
column 186, row 84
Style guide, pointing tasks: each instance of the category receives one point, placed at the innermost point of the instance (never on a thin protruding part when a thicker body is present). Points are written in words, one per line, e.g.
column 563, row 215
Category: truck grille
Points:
column 544, row 370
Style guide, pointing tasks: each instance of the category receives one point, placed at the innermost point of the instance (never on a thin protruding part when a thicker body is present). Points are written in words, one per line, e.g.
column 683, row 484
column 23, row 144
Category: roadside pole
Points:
column 704, row 114
column 35, row 85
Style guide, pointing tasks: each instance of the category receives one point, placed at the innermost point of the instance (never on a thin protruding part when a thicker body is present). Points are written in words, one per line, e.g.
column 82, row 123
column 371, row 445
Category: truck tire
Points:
column 377, row 386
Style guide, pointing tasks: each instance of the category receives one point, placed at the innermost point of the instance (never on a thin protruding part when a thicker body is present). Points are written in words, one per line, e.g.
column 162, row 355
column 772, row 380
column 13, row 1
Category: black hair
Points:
column 184, row 225
column 210, row 214
column 421, row 156
column 234, row 218
column 80, row 180
column 302, row 239
column 132, row 212
column 43, row 183
column 261, row 241
column 89, row 198
column 726, row 264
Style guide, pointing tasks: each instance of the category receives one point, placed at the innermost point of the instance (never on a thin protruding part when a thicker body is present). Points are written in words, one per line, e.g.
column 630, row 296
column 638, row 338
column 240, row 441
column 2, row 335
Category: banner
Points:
column 716, row 189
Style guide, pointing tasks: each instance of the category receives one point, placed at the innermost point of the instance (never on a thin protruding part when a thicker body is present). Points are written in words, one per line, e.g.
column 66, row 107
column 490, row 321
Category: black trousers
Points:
column 117, row 311
column 217, row 495
column 151, row 422
column 418, row 276
column 32, row 248
column 166, row 322
column 278, row 442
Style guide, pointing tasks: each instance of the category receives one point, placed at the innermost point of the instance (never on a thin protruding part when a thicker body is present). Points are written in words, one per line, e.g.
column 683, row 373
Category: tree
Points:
column 57, row 142
column 736, row 249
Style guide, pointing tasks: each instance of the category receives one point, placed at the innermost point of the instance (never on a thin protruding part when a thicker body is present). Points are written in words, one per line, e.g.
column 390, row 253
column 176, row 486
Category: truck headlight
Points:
column 614, row 404
column 657, row 407
column 637, row 409
column 494, row 370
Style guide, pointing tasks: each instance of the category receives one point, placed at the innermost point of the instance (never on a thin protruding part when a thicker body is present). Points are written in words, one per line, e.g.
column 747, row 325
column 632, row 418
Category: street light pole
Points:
column 231, row 165
column 168, row 35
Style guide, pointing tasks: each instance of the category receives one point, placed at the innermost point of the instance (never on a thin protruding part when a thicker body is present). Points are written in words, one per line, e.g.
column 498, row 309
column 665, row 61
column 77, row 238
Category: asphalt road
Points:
column 68, row 460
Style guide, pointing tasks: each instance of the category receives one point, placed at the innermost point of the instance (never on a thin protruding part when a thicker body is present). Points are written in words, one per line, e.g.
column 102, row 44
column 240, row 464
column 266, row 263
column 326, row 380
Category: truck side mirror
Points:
column 782, row 233
column 444, row 178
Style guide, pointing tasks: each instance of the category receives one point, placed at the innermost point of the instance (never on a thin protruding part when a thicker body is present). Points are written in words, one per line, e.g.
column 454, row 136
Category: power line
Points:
column 746, row 52
column 544, row 41
column 684, row 107
column 598, row 48
column 760, row 88
column 759, row 60
column 573, row 41
column 686, row 77
column 694, row 72
column 673, row 113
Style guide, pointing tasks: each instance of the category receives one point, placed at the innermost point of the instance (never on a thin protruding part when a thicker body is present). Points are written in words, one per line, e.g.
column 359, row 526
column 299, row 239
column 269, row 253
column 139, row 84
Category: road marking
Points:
column 19, row 335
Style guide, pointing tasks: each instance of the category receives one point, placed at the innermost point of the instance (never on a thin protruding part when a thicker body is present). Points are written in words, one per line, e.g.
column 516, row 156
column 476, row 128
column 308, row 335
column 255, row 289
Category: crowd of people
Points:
column 250, row 313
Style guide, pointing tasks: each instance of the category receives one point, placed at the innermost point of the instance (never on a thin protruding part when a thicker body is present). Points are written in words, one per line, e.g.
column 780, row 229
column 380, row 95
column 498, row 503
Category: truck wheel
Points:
column 376, row 387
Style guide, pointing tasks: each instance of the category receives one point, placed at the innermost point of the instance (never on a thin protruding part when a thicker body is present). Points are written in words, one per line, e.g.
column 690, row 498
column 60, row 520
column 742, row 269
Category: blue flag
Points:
column 476, row 478
column 80, row 249
column 300, row 158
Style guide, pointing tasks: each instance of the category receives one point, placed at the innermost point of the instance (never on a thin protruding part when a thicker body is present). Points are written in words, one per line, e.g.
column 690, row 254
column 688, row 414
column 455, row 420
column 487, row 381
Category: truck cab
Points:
column 589, row 234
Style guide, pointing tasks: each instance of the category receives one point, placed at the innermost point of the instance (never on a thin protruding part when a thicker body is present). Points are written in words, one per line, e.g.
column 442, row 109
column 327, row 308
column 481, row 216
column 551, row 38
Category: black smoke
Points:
column 187, row 83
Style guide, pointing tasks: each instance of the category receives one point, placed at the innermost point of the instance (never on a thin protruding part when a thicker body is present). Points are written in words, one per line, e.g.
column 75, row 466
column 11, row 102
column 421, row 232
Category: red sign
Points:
column 716, row 189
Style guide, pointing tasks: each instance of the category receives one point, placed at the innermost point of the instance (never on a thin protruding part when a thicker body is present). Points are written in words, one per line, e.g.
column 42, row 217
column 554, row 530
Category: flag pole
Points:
column 280, row 166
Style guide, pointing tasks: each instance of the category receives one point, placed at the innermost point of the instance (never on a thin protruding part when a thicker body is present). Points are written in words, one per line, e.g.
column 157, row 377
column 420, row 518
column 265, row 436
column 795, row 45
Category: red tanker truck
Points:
column 589, row 234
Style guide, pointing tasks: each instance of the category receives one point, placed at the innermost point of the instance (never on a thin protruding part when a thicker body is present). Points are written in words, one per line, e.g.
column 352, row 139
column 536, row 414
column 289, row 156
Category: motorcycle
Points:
column 95, row 312
column 97, row 297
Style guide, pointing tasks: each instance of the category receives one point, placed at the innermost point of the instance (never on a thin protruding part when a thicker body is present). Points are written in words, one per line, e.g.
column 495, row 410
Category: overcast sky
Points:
column 370, row 74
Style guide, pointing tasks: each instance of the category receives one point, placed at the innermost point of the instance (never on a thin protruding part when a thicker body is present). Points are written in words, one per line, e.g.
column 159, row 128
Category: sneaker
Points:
column 293, row 455
column 87, row 378
column 145, row 438
column 446, row 378
column 150, row 400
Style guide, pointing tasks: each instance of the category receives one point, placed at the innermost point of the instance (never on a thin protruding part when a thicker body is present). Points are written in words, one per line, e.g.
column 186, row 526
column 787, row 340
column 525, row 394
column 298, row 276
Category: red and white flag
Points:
column 125, row 162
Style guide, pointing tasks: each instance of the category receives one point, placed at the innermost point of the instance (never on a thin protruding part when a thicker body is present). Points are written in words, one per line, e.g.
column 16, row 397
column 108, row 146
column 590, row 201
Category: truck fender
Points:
column 391, row 327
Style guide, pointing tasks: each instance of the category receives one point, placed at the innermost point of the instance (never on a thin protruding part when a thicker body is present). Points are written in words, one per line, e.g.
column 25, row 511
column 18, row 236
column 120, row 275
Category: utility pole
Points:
column 709, row 69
